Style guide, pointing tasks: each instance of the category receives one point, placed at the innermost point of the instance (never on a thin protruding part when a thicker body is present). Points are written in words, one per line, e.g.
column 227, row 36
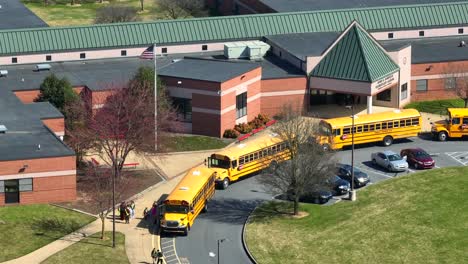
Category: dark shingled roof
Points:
column 431, row 49
column 312, row 5
column 206, row 69
column 13, row 15
column 43, row 110
column 302, row 45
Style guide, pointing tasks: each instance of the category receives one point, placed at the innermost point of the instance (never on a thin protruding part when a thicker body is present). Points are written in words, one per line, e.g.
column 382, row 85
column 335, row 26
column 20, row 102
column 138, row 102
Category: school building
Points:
column 221, row 71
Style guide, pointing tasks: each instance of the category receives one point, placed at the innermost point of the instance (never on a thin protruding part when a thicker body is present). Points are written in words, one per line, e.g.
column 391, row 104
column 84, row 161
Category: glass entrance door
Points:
column 11, row 191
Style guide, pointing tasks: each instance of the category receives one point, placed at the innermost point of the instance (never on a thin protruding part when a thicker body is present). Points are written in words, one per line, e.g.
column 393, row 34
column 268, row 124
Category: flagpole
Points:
column 155, row 100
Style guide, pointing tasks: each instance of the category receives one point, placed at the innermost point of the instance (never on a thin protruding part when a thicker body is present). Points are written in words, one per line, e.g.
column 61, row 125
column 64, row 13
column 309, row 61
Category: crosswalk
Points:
column 169, row 251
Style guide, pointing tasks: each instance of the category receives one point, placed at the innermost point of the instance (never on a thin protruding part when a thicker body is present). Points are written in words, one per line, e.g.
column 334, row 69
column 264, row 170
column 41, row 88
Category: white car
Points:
column 390, row 160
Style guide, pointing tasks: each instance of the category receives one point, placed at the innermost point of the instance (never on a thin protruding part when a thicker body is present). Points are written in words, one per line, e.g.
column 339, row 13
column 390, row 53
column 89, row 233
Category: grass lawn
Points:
column 418, row 218
column 437, row 106
column 61, row 13
column 192, row 143
column 28, row 227
column 93, row 250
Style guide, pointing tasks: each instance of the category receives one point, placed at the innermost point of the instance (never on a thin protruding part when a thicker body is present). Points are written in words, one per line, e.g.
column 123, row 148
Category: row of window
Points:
column 204, row 191
column 22, row 185
column 123, row 53
column 378, row 126
column 265, row 152
column 241, row 105
column 456, row 121
column 422, row 33
column 183, row 107
column 450, row 83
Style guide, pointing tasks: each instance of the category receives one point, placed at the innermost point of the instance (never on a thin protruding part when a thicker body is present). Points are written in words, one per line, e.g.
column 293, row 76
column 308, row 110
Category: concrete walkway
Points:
column 140, row 235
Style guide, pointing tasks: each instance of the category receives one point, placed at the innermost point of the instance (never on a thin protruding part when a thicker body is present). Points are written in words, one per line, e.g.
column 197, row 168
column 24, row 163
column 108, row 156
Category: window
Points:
column 390, row 124
column 14, row 60
column 82, row 55
column 404, row 91
column 366, row 128
column 204, row 47
column 385, row 95
column 450, row 83
column 48, row 57
column 408, row 122
column 390, row 35
column 421, row 33
column 465, row 121
column 384, row 125
column 460, row 31
column 25, row 185
column 241, row 105
column 336, row 132
column 415, row 121
column 395, row 124
column 184, row 109
column 421, row 85
column 346, row 131
column 359, row 129
column 2, row 186
column 123, row 53
column 377, row 126
column 164, row 50
column 455, row 121
column 402, row 123
column 371, row 127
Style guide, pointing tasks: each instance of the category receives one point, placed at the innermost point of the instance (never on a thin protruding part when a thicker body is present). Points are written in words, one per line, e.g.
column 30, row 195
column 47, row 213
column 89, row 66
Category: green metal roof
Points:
column 227, row 28
column 357, row 57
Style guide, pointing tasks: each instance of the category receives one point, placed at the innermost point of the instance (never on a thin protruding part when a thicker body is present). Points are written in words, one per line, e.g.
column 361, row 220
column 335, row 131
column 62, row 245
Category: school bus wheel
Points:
column 442, row 136
column 225, row 183
column 387, row 141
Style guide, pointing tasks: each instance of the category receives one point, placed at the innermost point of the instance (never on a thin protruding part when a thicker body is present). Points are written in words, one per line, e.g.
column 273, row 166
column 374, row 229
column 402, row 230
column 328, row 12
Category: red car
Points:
column 418, row 158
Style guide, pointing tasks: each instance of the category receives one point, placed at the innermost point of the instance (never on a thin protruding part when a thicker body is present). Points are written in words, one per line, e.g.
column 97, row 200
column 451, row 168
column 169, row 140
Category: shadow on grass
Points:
column 267, row 211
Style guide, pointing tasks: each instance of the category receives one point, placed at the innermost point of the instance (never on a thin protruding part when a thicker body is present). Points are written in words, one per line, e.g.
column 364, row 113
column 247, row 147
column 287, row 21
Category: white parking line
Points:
column 437, row 167
column 457, row 160
column 376, row 172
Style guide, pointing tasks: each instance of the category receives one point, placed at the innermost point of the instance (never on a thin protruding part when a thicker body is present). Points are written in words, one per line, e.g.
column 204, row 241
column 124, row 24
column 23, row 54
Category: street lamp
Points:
column 352, row 193
column 219, row 242
column 114, row 175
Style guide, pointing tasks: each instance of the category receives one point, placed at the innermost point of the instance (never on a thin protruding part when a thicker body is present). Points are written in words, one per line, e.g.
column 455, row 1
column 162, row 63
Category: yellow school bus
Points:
column 455, row 127
column 187, row 200
column 382, row 127
column 246, row 157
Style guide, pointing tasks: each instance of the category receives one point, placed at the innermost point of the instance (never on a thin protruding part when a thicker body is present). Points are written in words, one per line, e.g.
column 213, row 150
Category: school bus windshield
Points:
column 219, row 163
column 178, row 209
column 324, row 129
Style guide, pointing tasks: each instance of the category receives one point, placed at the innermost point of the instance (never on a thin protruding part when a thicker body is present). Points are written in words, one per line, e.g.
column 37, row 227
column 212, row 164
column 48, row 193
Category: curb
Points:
column 244, row 244
column 75, row 210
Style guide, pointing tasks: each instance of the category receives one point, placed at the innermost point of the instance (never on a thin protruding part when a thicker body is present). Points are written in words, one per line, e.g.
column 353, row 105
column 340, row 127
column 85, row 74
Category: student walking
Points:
column 127, row 214
column 132, row 207
column 157, row 256
column 122, row 211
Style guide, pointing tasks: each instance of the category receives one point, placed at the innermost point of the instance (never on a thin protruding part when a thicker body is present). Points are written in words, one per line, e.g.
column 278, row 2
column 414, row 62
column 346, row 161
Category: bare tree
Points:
column 116, row 14
column 457, row 80
column 175, row 9
column 99, row 190
column 310, row 165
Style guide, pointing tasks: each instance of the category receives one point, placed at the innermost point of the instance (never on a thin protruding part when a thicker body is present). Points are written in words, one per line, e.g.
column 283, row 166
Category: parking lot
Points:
column 445, row 154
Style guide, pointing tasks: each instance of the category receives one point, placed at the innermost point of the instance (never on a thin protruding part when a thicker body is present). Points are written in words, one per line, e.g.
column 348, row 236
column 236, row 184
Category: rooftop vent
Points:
column 3, row 73
column 462, row 44
column 3, row 129
column 252, row 50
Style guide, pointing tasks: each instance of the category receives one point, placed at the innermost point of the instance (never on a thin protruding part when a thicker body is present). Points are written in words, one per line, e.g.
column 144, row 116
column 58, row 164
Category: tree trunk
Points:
column 103, row 222
column 296, row 205
column 142, row 6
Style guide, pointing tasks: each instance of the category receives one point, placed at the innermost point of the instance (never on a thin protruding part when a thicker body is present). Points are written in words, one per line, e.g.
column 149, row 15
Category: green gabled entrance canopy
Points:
column 356, row 57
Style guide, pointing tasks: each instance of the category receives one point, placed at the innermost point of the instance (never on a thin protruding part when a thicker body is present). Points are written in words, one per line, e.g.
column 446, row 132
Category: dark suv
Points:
column 360, row 177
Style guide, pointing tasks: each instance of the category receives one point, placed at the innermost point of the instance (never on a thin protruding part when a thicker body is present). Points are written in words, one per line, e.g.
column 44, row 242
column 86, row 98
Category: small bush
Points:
column 256, row 123
column 263, row 118
column 231, row 133
column 243, row 128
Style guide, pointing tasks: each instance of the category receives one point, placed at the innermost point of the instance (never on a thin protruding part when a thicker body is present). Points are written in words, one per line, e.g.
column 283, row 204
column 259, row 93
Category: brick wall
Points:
column 272, row 105
column 206, row 124
column 435, row 82
column 55, row 124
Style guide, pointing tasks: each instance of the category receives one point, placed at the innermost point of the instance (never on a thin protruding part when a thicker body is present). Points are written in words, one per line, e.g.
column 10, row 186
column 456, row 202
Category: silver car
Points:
column 390, row 160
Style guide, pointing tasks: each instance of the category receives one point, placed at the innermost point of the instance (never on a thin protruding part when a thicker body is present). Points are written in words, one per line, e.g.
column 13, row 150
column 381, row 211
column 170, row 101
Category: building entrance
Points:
column 12, row 191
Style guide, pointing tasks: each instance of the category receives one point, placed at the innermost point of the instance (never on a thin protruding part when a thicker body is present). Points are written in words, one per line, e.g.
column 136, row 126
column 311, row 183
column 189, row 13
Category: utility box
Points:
column 236, row 50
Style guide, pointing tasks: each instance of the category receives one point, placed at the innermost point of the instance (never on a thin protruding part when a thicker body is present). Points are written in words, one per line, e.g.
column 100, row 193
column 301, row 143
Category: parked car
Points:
column 318, row 197
column 389, row 160
column 418, row 158
column 360, row 177
column 338, row 185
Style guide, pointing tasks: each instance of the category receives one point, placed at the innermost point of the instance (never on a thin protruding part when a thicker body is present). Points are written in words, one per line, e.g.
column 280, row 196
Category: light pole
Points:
column 219, row 242
column 114, row 175
column 352, row 193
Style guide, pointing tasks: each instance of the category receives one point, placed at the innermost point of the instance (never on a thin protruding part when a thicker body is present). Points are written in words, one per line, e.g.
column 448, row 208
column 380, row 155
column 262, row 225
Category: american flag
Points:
column 148, row 54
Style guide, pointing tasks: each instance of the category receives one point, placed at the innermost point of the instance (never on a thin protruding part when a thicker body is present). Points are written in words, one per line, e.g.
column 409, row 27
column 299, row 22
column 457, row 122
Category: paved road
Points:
column 229, row 208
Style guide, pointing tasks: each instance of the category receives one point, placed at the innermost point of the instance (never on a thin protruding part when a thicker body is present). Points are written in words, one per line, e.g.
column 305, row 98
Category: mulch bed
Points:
column 139, row 181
